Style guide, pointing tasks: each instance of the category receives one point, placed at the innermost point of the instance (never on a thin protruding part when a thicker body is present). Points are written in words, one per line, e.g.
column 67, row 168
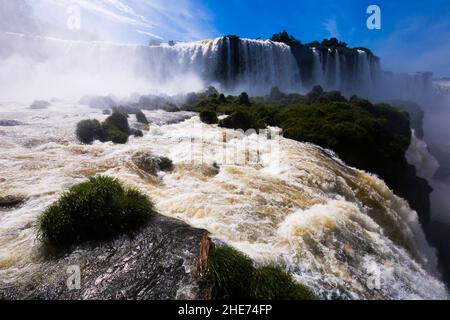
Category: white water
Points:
column 317, row 68
column 33, row 67
column 334, row 228
column 420, row 157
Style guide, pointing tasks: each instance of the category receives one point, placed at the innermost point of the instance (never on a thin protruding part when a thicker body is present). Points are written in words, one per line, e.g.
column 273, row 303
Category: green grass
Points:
column 98, row 209
column 233, row 276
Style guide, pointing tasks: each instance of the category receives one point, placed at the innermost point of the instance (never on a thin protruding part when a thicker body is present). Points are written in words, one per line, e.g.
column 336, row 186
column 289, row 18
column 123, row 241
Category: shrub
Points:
column 88, row 131
column 141, row 118
column 314, row 94
column 114, row 134
column 244, row 99
column 98, row 209
column 233, row 276
column 242, row 120
column 118, row 120
column 209, row 117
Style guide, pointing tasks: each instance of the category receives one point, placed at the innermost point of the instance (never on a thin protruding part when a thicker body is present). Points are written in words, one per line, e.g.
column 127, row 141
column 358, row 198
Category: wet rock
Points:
column 11, row 201
column 10, row 123
column 40, row 104
column 141, row 118
column 151, row 164
column 158, row 263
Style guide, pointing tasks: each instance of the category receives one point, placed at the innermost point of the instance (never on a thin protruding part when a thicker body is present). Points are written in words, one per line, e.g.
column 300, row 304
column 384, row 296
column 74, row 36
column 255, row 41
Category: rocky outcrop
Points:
column 11, row 201
column 164, row 261
column 40, row 104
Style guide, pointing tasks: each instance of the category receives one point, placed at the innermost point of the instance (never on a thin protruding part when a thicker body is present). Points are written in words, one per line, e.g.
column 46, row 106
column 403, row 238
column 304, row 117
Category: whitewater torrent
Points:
column 338, row 230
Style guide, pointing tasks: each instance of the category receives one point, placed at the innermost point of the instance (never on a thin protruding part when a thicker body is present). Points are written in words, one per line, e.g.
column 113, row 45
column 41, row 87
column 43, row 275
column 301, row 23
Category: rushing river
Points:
column 338, row 230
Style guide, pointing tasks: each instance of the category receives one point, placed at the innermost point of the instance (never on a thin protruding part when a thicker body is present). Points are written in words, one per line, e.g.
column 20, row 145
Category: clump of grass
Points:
column 230, row 273
column 98, row 209
column 270, row 283
column 233, row 276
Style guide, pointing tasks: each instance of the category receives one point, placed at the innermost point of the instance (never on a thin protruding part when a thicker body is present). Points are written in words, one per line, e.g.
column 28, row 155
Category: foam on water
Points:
column 281, row 202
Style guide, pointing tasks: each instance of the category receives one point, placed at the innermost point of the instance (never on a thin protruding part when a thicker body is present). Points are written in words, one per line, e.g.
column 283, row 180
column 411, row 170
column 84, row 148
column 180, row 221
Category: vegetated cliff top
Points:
column 331, row 43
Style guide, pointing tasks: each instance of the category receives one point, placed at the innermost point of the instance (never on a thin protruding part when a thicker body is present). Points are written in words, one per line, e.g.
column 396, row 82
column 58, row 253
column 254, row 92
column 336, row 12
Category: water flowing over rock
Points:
column 231, row 63
column 281, row 202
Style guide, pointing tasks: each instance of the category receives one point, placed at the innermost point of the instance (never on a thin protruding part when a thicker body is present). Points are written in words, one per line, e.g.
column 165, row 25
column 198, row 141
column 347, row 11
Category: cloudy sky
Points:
column 414, row 34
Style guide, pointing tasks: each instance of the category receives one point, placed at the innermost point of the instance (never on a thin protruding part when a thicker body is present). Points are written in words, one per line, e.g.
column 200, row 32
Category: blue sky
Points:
column 415, row 34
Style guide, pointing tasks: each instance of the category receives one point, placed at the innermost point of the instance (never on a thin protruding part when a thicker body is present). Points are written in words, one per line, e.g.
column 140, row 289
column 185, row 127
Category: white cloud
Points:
column 151, row 35
column 132, row 20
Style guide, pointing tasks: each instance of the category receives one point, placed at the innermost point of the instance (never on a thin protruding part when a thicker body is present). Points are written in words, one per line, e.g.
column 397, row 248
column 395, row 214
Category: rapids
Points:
column 338, row 230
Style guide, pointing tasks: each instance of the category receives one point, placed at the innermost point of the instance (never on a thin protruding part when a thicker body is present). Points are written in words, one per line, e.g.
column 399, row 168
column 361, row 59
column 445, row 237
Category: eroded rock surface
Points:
column 160, row 262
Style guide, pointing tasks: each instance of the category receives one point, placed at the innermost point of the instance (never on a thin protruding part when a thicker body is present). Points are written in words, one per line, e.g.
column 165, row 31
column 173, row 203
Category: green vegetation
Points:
column 209, row 117
column 118, row 120
column 270, row 283
column 98, row 209
column 371, row 137
column 88, row 131
column 242, row 120
column 233, row 276
column 415, row 113
column 115, row 128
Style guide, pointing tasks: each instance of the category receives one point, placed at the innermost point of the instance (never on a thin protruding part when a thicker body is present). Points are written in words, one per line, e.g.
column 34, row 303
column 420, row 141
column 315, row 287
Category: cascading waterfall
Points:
column 33, row 67
column 317, row 68
column 337, row 82
column 53, row 66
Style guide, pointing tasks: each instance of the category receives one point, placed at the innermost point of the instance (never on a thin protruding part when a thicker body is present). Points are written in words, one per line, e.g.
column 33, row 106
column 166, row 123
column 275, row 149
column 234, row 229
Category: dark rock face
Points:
column 415, row 112
column 40, row 104
column 159, row 263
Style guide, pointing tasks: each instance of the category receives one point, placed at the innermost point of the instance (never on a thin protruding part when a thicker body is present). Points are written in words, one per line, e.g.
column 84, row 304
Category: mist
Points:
column 437, row 134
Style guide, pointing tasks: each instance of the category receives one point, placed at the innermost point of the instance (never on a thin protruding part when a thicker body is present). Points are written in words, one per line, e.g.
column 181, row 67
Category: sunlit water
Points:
column 338, row 230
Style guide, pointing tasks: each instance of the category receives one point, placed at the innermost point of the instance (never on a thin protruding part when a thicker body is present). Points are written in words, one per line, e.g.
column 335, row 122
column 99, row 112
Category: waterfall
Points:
column 33, row 67
column 53, row 67
column 317, row 68
column 337, row 82
column 364, row 73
